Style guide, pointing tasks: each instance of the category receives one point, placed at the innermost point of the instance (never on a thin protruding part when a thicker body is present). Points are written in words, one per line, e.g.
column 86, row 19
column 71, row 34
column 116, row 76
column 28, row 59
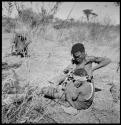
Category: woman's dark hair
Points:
column 80, row 72
column 77, row 47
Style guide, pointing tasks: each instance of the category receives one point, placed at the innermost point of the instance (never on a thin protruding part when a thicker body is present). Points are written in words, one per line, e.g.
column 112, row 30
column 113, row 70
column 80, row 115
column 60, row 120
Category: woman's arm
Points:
column 101, row 62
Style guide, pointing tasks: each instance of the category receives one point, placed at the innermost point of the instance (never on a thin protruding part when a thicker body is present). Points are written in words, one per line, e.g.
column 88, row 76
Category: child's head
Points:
column 80, row 72
column 79, row 76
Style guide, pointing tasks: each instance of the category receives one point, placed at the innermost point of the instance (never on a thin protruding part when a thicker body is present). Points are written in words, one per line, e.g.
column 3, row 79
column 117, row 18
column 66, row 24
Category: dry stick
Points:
column 44, row 26
column 67, row 18
column 28, row 69
column 16, row 82
column 38, row 25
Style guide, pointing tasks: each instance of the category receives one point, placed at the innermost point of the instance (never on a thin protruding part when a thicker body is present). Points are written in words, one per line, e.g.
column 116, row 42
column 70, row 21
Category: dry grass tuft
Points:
column 22, row 104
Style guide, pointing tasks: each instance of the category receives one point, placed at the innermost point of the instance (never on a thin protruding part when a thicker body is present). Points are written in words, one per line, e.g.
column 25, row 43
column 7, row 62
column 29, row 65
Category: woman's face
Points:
column 79, row 56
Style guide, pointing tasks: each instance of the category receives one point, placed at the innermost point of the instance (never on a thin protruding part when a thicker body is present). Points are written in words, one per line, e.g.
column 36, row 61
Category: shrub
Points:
column 8, row 25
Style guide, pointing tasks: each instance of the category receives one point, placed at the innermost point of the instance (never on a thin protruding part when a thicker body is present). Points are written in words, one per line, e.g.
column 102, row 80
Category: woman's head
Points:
column 78, row 52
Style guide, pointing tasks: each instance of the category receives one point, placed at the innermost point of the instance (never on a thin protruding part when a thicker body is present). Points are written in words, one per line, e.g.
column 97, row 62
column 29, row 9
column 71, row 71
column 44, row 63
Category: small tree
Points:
column 87, row 12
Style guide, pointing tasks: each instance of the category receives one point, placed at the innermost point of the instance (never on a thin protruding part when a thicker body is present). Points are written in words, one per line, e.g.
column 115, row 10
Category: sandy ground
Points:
column 49, row 58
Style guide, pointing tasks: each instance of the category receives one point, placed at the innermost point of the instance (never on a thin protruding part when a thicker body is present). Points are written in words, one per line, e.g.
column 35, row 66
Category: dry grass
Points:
column 22, row 104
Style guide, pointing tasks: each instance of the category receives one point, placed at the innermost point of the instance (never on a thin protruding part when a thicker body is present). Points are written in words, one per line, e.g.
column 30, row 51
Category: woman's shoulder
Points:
column 89, row 57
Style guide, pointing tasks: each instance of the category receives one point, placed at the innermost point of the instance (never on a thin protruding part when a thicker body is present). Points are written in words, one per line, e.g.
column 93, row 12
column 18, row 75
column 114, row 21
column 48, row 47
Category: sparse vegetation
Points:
column 23, row 104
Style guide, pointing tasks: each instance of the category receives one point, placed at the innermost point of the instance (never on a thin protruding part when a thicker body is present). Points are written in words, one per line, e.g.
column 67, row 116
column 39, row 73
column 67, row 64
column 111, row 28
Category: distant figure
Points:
column 20, row 45
column 79, row 91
